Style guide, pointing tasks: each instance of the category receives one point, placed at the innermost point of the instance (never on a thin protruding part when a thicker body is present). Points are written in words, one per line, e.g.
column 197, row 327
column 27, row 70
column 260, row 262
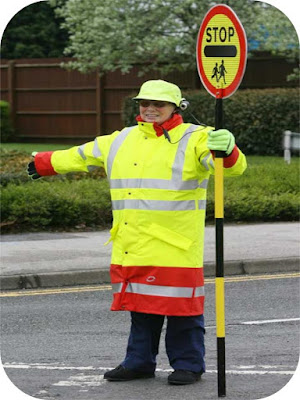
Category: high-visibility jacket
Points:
column 158, row 192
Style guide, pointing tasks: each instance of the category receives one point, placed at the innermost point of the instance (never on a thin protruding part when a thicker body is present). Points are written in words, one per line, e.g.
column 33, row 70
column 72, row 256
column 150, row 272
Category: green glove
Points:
column 221, row 140
column 31, row 169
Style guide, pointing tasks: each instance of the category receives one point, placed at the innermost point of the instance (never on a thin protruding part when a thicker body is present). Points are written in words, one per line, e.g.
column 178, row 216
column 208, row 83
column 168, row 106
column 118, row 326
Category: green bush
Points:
column 61, row 204
column 13, row 165
column 7, row 132
column 257, row 118
column 267, row 191
column 65, row 204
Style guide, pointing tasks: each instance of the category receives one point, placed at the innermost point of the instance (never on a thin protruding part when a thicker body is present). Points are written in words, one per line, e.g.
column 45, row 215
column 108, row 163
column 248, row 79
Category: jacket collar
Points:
column 171, row 123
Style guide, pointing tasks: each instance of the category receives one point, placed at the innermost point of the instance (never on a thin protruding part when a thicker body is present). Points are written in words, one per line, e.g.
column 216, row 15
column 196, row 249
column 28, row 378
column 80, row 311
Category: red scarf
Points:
column 171, row 123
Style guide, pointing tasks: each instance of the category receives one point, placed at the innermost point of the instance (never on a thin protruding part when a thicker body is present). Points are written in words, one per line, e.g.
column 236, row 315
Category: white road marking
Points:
column 97, row 380
column 235, row 372
column 82, row 381
column 261, row 366
column 270, row 321
column 258, row 322
column 52, row 367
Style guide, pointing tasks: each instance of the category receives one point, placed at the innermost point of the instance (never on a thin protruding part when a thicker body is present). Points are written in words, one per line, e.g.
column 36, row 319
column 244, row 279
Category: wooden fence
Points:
column 50, row 103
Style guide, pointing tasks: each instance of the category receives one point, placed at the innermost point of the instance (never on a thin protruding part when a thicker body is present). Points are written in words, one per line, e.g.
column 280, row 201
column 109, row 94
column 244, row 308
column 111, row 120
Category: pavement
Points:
column 47, row 260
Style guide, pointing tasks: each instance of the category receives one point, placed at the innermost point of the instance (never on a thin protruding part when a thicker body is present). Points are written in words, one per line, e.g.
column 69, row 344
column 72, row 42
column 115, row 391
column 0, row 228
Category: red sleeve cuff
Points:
column 230, row 160
column 43, row 164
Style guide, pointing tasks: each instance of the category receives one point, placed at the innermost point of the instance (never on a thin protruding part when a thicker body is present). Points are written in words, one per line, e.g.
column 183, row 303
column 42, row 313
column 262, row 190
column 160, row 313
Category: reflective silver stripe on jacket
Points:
column 116, row 144
column 176, row 182
column 201, row 204
column 116, row 287
column 163, row 205
column 177, row 167
column 211, row 162
column 151, row 183
column 163, row 291
column 81, row 151
column 96, row 151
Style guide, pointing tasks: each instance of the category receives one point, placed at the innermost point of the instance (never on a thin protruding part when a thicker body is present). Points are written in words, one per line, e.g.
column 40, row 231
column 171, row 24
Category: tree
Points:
column 160, row 34
column 34, row 32
column 275, row 33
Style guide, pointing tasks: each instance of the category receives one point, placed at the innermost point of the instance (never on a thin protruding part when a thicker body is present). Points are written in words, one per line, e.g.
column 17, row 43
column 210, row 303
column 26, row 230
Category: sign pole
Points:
column 221, row 53
column 219, row 229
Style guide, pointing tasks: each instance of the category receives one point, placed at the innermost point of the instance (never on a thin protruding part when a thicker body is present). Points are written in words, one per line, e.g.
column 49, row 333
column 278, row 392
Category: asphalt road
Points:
column 56, row 344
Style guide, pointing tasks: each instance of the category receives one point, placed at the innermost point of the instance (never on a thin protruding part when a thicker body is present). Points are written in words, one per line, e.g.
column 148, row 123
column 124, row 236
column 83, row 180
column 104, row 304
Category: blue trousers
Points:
column 184, row 342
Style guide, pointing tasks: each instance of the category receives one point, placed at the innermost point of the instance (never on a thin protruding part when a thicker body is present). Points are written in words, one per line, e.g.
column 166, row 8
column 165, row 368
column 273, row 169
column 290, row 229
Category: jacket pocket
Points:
column 169, row 236
column 113, row 234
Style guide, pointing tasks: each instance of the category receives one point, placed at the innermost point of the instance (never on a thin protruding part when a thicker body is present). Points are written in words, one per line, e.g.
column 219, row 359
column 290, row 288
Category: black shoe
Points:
column 124, row 374
column 182, row 377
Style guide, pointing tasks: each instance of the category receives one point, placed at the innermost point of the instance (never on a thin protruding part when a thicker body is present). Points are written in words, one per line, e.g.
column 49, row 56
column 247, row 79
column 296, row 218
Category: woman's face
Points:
column 156, row 111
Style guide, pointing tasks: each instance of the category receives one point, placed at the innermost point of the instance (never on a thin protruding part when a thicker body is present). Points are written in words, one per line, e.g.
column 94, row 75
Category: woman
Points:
column 158, row 172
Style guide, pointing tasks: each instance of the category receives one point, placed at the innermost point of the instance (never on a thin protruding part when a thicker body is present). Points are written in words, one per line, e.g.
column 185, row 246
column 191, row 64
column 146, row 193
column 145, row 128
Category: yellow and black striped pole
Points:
column 220, row 293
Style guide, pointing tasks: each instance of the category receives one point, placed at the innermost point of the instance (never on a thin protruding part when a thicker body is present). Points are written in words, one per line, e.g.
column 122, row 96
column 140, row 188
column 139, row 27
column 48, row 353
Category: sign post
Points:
column 221, row 61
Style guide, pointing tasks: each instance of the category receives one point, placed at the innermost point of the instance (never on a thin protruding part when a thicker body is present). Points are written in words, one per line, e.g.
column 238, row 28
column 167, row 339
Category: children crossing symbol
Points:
column 219, row 72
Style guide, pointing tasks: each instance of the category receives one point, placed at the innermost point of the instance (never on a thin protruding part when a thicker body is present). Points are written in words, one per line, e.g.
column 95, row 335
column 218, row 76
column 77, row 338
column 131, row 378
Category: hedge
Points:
column 257, row 117
column 268, row 191
column 7, row 132
column 13, row 167
column 60, row 204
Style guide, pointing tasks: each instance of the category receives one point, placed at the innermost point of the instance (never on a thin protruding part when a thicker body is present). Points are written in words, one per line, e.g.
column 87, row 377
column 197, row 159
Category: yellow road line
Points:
column 246, row 278
column 39, row 292
column 35, row 292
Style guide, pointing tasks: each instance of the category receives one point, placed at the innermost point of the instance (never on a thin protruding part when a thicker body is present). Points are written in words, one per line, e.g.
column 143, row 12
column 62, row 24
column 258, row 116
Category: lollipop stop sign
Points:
column 221, row 51
column 221, row 60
